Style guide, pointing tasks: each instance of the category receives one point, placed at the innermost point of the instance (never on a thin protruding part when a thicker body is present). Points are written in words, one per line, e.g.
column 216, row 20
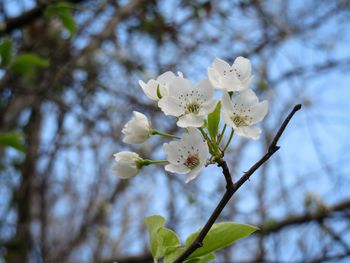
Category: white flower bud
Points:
column 137, row 130
column 128, row 164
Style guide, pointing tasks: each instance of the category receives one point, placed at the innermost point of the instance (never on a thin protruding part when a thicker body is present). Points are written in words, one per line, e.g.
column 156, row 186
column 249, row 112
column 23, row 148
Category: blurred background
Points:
column 69, row 82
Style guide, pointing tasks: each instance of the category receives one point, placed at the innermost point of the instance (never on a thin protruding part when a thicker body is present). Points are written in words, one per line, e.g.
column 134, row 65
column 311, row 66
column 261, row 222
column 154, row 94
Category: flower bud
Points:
column 137, row 130
column 128, row 164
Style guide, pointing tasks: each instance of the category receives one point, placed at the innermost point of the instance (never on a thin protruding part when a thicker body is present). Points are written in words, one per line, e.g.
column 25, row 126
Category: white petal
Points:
column 173, row 151
column 171, row 106
column 244, row 66
column 247, row 97
column 194, row 138
column 150, row 89
column 125, row 155
column 214, row 78
column 207, row 107
column 193, row 174
column 220, row 66
column 165, row 78
column 249, row 132
column 205, row 88
column 124, row 170
column 180, row 86
column 177, row 168
column 231, row 82
column 226, row 101
column 190, row 120
column 259, row 111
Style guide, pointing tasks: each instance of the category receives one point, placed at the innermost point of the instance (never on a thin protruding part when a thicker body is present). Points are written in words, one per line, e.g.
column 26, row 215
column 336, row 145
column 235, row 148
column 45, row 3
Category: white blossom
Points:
column 128, row 164
column 244, row 111
column 162, row 81
column 236, row 77
column 189, row 102
column 137, row 130
column 187, row 155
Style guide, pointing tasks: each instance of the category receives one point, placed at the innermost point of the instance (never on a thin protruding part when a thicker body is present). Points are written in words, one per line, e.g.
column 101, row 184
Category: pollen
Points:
column 192, row 161
column 239, row 121
column 192, row 107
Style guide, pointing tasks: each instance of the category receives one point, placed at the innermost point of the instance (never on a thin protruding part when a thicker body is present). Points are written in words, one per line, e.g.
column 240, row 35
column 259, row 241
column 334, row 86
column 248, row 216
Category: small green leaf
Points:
column 68, row 22
column 63, row 11
column 6, row 52
column 13, row 140
column 170, row 258
column 26, row 63
column 220, row 235
column 203, row 259
column 153, row 223
column 168, row 241
column 213, row 121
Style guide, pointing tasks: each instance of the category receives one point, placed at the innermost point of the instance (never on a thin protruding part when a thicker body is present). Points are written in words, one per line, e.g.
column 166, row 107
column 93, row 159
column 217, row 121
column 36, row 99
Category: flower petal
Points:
column 247, row 97
column 205, row 89
column 259, row 111
column 193, row 174
column 227, row 103
column 177, row 168
column 220, row 66
column 207, row 107
column 249, row 132
column 244, row 67
column 171, row 106
column 214, row 78
column 173, row 151
column 190, row 120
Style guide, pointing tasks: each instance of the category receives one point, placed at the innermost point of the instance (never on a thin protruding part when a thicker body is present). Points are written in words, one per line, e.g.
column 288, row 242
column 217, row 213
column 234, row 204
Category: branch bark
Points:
column 231, row 187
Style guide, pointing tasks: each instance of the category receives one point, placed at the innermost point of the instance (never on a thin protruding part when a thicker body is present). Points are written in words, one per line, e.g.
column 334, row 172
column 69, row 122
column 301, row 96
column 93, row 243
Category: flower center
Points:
column 192, row 161
column 192, row 107
column 238, row 120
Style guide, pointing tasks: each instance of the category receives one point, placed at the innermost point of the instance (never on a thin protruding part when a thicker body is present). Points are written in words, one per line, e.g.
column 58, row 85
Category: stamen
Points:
column 192, row 107
column 192, row 161
column 239, row 120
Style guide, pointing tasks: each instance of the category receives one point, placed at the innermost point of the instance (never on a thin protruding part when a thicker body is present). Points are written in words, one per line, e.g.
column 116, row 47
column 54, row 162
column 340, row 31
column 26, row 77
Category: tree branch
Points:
column 275, row 226
column 231, row 187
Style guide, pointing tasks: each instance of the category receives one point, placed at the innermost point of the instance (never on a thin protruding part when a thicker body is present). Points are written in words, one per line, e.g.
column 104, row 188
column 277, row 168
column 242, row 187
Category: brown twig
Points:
column 231, row 187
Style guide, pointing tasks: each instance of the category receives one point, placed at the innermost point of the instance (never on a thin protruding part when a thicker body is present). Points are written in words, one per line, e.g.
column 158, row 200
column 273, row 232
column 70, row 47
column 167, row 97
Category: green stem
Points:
column 210, row 143
column 148, row 162
column 229, row 140
column 155, row 132
column 222, row 134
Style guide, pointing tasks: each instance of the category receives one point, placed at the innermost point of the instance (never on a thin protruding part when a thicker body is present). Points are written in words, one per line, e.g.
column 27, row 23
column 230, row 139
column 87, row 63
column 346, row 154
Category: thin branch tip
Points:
column 297, row 107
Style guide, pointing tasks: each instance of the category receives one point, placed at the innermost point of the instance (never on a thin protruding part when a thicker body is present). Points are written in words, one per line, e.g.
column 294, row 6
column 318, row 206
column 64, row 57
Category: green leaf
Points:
column 13, row 140
column 213, row 121
column 6, row 52
column 163, row 241
column 153, row 223
column 220, row 235
column 26, row 63
column 170, row 258
column 167, row 240
column 63, row 11
column 203, row 259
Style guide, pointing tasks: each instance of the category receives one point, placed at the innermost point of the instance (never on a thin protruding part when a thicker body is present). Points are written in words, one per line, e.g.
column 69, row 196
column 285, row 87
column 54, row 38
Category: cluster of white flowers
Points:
column 191, row 104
